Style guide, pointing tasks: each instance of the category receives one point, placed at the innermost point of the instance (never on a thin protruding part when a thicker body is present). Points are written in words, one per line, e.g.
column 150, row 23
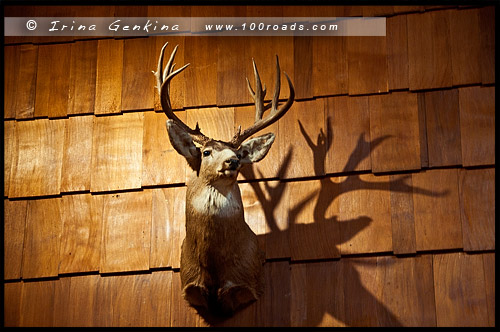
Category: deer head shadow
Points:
column 323, row 197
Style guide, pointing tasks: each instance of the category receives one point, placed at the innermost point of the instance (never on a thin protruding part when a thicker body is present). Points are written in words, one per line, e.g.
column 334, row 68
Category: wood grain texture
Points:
column 42, row 239
column 351, row 11
column 25, row 81
column 314, row 227
column 397, row 52
column 9, row 145
column 477, row 118
column 201, row 77
column 161, row 230
column 347, row 138
column 489, row 278
column 126, row 235
column 329, row 66
column 437, row 210
column 405, row 291
column 442, row 117
column 379, row 295
column 298, row 297
column 77, row 154
column 271, row 165
column 82, row 77
column 161, row 164
column 257, row 209
column 361, row 282
column 14, row 226
column 181, row 313
column 303, row 67
column 407, row 9
column 422, row 125
column 61, row 302
column 319, row 286
column 109, row 76
column 394, row 119
column 161, row 290
column 145, row 303
column 117, row 152
column 81, row 233
column 52, row 80
column 365, row 216
column 274, row 308
column 371, row 11
column 265, row 205
column 102, row 309
column 263, row 51
column 367, row 65
column 231, row 71
column 477, row 208
column 134, row 307
column 168, row 226
column 429, row 50
column 306, row 147
column 12, row 292
column 37, row 158
column 402, row 215
column 83, row 294
column 459, row 287
column 10, row 69
column 137, row 79
column 177, row 86
column 487, row 50
column 465, row 42
column 216, row 123
column 42, row 294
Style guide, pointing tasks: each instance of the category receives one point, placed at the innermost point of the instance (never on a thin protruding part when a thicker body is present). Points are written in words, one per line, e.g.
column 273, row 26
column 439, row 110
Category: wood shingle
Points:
column 374, row 206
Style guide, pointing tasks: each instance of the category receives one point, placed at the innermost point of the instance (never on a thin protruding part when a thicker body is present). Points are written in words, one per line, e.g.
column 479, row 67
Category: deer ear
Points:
column 255, row 149
column 183, row 143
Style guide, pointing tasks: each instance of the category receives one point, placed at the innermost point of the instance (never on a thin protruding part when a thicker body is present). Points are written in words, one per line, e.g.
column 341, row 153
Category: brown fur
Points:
column 221, row 262
column 220, row 254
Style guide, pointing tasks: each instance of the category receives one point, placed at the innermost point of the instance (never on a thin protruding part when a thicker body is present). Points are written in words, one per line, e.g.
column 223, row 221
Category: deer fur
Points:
column 221, row 263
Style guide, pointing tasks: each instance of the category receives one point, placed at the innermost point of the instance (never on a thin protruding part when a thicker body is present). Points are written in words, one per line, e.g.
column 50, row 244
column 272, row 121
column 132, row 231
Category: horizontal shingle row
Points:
column 372, row 291
column 298, row 220
column 117, row 72
column 399, row 131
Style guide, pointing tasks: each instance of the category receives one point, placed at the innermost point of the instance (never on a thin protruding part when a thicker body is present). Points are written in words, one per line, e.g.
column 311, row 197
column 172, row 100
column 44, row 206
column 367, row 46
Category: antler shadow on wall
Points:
column 270, row 197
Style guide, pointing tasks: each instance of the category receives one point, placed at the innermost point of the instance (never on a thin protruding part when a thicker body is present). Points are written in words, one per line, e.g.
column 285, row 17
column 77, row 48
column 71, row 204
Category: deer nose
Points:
column 233, row 163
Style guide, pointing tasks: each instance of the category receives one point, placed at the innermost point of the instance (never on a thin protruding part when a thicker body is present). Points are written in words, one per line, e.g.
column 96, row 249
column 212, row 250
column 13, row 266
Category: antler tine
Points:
column 259, row 94
column 163, row 78
column 275, row 115
column 277, row 86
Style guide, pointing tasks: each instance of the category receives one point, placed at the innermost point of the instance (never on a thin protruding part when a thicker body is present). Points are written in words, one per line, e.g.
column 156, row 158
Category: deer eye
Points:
column 238, row 155
column 206, row 153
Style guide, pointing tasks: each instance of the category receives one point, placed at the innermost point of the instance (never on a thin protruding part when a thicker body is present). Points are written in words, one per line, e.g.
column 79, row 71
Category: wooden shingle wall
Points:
column 375, row 206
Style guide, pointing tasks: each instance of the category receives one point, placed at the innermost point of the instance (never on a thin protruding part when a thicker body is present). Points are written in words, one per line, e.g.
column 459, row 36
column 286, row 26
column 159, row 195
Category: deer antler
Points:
column 163, row 78
column 258, row 97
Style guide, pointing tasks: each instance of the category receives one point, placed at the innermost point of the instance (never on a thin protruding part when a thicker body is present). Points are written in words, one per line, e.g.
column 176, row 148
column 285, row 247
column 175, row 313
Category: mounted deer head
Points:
column 221, row 263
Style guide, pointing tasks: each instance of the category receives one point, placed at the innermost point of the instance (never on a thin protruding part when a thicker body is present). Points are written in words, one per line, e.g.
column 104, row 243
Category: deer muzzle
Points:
column 233, row 164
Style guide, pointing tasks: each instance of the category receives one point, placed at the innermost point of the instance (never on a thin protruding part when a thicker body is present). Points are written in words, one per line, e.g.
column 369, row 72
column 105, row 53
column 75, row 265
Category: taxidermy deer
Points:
column 221, row 263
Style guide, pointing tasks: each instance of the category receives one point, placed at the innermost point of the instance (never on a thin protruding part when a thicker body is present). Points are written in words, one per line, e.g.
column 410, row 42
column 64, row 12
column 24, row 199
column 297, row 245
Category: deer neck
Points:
column 214, row 200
